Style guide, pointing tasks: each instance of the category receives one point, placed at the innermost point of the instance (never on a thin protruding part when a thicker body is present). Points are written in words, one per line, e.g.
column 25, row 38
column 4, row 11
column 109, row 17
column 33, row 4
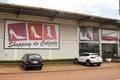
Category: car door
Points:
column 85, row 57
column 23, row 60
column 81, row 57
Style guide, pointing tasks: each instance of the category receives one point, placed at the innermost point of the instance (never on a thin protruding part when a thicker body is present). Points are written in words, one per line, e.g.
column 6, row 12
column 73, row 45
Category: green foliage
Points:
column 46, row 60
column 10, row 61
column 57, row 60
column 108, row 55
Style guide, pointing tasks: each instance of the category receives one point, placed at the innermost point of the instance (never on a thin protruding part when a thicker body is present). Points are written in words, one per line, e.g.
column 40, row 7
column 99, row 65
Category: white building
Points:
column 55, row 34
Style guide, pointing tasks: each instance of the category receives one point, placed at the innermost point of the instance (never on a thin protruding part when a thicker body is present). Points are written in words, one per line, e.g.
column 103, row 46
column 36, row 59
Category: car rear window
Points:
column 84, row 55
column 95, row 55
column 31, row 57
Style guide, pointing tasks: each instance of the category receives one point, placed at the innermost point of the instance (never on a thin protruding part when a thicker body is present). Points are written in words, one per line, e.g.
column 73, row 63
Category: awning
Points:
column 53, row 14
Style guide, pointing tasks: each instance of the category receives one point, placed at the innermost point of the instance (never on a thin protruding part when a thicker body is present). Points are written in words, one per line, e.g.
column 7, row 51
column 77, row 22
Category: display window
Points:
column 89, row 47
column 109, row 35
column 88, row 33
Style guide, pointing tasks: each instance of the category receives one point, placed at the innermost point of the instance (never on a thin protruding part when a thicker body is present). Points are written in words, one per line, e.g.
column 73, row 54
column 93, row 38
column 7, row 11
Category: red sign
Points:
column 109, row 38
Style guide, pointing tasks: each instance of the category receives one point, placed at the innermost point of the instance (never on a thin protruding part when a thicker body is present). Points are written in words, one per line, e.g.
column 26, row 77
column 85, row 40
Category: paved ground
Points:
column 54, row 66
column 93, row 74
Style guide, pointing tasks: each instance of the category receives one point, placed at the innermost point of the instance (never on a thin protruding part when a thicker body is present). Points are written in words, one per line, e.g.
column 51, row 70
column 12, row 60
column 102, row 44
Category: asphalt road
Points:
column 93, row 74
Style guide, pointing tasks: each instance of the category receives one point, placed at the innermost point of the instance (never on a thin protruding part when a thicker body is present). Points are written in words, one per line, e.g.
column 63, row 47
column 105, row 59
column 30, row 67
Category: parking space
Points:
column 53, row 66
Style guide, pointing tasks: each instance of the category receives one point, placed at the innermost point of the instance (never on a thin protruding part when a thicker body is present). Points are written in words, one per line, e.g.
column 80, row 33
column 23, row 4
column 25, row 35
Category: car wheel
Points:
column 40, row 68
column 24, row 67
column 88, row 63
column 98, row 64
column 75, row 61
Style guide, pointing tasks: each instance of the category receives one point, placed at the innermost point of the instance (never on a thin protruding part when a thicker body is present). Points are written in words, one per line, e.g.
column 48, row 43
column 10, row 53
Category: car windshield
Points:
column 31, row 57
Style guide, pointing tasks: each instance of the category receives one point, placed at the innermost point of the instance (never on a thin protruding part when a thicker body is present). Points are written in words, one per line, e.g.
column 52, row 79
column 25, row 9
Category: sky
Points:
column 102, row 8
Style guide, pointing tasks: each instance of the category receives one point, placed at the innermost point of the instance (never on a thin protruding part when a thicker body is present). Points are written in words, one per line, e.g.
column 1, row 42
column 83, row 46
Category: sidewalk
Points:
column 54, row 66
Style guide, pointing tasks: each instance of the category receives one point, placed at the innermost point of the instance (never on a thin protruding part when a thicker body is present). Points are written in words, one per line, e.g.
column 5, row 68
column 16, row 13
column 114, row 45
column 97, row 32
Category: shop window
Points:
column 109, row 50
column 88, row 33
column 88, row 47
column 109, row 35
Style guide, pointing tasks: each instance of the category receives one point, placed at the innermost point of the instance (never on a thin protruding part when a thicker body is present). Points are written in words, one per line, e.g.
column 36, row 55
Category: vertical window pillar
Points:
column 118, row 51
column 100, row 44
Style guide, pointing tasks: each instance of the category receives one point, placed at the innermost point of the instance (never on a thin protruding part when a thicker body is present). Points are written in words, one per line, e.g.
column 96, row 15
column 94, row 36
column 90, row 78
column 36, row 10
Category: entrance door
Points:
column 109, row 50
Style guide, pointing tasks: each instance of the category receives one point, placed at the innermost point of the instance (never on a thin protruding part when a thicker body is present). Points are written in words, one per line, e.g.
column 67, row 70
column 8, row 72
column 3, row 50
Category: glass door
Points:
column 109, row 50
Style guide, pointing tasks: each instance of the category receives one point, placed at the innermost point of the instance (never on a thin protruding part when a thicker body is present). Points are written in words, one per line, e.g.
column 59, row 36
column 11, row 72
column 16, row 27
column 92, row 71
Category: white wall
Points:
column 68, row 39
column 69, row 42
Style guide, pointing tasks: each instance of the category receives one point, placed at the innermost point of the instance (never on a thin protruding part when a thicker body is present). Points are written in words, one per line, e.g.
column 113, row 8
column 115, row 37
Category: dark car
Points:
column 31, row 60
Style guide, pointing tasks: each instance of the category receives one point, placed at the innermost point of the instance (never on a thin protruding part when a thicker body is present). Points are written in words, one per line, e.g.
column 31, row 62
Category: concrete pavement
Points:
column 54, row 66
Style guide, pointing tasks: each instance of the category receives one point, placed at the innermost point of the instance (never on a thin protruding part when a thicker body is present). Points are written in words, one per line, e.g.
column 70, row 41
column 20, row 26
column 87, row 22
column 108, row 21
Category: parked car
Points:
column 31, row 60
column 88, row 59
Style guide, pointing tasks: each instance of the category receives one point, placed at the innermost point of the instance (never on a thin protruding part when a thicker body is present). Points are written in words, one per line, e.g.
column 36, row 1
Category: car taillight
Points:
column 41, row 62
column 93, row 57
column 26, row 62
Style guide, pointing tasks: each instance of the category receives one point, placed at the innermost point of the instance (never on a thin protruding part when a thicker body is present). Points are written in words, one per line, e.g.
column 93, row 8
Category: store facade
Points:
column 104, row 41
column 54, row 34
column 52, row 39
